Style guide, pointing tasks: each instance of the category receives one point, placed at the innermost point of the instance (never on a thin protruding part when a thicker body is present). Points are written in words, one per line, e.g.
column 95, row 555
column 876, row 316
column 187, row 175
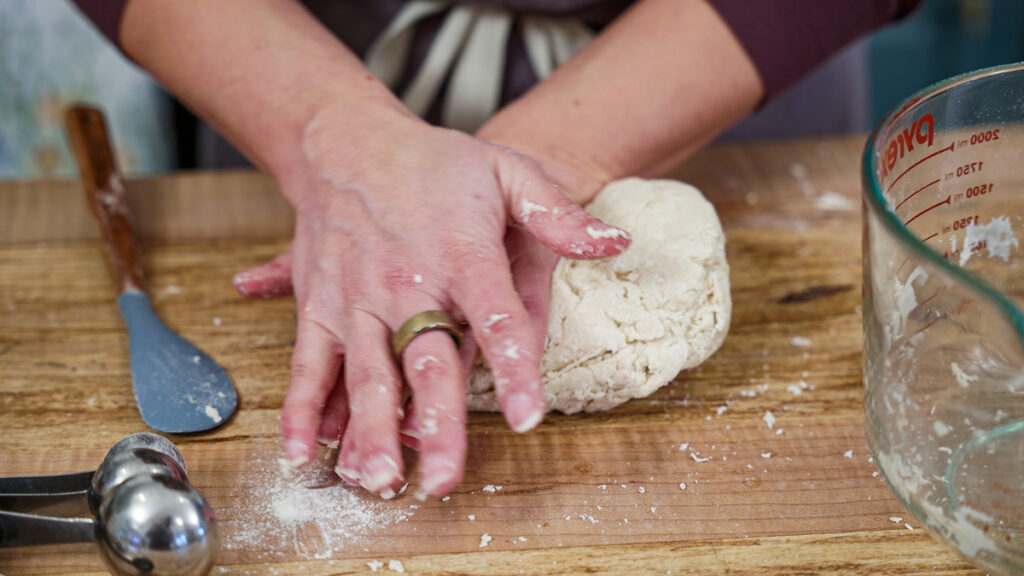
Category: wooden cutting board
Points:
column 754, row 463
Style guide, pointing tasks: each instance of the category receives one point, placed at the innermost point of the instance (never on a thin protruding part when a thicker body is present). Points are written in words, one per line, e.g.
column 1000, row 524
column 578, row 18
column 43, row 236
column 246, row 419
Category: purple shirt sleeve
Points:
column 106, row 15
column 786, row 39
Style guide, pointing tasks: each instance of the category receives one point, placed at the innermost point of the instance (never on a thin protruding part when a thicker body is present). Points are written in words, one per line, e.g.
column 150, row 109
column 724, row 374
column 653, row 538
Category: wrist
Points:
column 579, row 175
column 334, row 134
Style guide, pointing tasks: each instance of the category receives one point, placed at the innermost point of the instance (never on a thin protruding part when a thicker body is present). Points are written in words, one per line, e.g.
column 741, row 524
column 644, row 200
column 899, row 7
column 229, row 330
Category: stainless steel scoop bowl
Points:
column 138, row 506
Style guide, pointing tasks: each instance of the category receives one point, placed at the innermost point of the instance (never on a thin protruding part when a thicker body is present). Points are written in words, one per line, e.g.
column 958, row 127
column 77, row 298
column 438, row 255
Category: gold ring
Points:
column 424, row 322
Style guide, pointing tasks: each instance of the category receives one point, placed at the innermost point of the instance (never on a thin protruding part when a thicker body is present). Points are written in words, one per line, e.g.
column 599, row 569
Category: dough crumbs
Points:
column 609, row 232
column 766, row 454
column 895, row 519
column 684, row 446
column 800, row 341
column 445, row 499
column 471, row 517
column 769, row 419
column 721, row 409
column 528, row 208
column 641, row 490
column 909, row 527
column 216, row 321
column 848, row 454
column 485, row 539
column 417, row 279
column 375, row 565
column 492, row 488
column 696, row 457
column 173, row 289
column 303, row 514
column 682, row 485
column 396, row 566
column 831, row 200
column 212, row 413
column 493, row 319
column 195, row 360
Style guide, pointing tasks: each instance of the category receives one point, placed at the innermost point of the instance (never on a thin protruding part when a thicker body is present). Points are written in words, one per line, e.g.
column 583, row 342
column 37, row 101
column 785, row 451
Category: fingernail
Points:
column 350, row 477
column 435, row 471
column 296, row 452
column 381, row 470
column 331, row 443
column 523, row 413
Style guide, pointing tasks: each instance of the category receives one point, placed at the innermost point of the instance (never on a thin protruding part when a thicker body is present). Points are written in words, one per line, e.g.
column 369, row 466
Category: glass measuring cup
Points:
column 943, row 179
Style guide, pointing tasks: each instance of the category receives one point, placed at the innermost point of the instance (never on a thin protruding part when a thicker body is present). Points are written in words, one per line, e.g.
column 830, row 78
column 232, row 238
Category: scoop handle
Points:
column 104, row 191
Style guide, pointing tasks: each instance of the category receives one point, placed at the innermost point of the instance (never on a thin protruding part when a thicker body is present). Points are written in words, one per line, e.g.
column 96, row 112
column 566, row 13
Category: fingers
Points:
column 535, row 202
column 370, row 451
column 503, row 329
column 335, row 417
column 438, row 422
column 269, row 281
column 532, row 264
column 315, row 364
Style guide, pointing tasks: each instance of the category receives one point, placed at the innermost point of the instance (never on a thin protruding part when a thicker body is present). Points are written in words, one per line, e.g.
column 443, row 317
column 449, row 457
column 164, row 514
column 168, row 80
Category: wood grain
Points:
column 595, row 494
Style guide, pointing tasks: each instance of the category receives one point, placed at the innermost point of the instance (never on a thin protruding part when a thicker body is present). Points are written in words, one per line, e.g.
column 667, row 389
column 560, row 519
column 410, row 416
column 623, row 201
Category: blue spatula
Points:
column 178, row 388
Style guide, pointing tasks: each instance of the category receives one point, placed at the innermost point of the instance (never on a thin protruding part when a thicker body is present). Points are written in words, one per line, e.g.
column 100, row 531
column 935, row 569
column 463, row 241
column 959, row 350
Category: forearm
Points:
column 659, row 83
column 258, row 70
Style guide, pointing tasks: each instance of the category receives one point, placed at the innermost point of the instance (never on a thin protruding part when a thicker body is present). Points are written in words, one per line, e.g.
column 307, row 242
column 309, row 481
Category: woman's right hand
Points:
column 405, row 219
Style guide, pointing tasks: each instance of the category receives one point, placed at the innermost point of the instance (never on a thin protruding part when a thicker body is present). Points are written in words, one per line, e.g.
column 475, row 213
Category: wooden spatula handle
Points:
column 104, row 190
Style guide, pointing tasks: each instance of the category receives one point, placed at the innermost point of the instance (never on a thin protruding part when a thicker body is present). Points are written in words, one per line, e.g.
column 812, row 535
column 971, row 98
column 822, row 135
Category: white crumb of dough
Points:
column 216, row 321
column 800, row 341
column 493, row 319
column 212, row 413
column 196, row 359
column 769, row 419
column 621, row 328
column 492, row 488
column 375, row 565
column 485, row 539
column 609, row 232
column 834, row 201
column 697, row 458
column 682, row 485
column 527, row 209
column 471, row 517
column 848, row 454
column 417, row 279
column 396, row 566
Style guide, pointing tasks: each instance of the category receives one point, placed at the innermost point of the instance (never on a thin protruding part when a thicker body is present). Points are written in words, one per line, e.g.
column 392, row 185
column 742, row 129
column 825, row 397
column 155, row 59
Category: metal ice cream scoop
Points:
column 138, row 506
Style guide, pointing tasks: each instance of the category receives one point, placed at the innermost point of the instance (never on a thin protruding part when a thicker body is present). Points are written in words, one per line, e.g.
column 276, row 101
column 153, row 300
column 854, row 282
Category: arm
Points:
column 393, row 218
column 658, row 84
column 670, row 75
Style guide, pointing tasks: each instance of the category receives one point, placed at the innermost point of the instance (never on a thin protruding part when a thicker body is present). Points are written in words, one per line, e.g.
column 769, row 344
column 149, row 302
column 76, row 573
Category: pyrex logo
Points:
column 922, row 131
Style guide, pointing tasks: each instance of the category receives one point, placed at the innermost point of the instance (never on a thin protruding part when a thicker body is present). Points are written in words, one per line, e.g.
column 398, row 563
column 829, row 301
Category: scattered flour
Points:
column 396, row 566
column 303, row 514
column 492, row 488
column 485, row 539
column 769, row 419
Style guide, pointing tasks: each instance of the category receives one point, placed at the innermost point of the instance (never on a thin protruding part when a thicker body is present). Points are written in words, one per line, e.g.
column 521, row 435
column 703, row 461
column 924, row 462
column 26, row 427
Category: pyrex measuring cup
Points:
column 943, row 183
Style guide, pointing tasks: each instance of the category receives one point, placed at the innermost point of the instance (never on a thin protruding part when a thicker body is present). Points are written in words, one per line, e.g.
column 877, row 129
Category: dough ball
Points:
column 622, row 327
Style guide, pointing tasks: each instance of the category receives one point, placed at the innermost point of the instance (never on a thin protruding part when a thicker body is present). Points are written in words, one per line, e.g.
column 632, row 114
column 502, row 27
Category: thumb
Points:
column 269, row 281
column 536, row 202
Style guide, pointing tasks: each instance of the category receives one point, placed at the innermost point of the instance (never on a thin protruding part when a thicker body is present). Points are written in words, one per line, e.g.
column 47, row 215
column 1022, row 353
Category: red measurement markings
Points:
column 942, row 316
column 925, row 301
column 918, row 163
column 934, row 234
column 926, row 210
column 914, row 193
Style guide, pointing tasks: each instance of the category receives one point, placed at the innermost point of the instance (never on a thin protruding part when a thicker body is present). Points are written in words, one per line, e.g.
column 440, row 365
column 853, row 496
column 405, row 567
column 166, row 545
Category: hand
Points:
column 413, row 219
